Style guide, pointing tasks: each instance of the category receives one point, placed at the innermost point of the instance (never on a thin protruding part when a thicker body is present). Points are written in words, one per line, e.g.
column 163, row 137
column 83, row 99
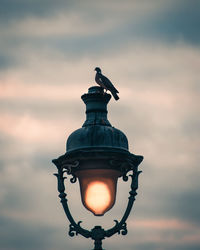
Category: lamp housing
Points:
column 97, row 154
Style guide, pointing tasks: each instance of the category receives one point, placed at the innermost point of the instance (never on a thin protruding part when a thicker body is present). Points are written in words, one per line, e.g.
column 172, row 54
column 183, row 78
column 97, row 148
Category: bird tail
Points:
column 115, row 95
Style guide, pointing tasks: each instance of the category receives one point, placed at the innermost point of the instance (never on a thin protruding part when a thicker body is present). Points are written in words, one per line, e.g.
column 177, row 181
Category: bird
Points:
column 105, row 83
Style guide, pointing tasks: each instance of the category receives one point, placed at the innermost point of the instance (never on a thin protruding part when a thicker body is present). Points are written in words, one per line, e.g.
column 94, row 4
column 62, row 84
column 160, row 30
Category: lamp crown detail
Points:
column 96, row 132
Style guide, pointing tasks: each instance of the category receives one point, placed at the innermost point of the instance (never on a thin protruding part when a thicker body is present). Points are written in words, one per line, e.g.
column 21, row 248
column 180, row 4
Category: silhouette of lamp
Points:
column 97, row 155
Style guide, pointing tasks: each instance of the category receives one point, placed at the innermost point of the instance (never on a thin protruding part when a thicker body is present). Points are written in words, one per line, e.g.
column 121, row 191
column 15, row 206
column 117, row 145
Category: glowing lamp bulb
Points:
column 98, row 197
column 98, row 189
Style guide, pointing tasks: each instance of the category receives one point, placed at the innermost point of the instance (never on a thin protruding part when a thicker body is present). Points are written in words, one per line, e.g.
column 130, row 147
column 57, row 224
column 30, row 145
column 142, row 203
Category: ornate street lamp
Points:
column 97, row 154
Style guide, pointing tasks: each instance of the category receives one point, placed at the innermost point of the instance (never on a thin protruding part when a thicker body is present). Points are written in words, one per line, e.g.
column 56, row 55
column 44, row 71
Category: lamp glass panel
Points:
column 98, row 189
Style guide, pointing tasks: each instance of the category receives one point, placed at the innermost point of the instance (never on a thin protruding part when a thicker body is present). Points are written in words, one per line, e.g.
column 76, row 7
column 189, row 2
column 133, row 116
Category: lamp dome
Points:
column 96, row 131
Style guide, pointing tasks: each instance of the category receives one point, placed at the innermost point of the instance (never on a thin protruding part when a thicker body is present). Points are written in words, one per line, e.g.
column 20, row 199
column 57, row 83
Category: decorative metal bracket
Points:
column 97, row 233
column 115, row 159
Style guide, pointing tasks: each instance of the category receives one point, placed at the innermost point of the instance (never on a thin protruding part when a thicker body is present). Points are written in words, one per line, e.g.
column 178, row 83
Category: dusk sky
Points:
column 150, row 49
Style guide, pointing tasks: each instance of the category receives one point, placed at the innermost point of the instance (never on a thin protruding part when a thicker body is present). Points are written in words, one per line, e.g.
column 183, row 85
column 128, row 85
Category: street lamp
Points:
column 97, row 154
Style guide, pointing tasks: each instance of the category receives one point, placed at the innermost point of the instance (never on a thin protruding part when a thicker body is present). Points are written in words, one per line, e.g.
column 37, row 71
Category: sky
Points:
column 150, row 49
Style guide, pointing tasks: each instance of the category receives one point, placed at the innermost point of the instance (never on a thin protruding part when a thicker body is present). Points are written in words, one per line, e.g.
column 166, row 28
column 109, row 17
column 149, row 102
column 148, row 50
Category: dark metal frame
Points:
column 67, row 165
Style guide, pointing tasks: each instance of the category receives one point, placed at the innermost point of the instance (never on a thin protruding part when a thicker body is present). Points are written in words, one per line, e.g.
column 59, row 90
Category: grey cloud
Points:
column 186, row 205
column 170, row 197
column 41, row 109
column 14, row 10
column 177, row 21
column 153, row 246
column 169, row 23
column 23, row 236
column 28, row 236
column 181, row 21
column 7, row 62
column 174, row 19
column 190, row 126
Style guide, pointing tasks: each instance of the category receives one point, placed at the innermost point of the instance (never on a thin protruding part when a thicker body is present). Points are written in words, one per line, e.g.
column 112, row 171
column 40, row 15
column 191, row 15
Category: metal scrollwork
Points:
column 73, row 179
column 60, row 178
column 134, row 183
column 97, row 233
column 124, row 166
column 72, row 231
column 122, row 228
column 125, row 177
column 70, row 166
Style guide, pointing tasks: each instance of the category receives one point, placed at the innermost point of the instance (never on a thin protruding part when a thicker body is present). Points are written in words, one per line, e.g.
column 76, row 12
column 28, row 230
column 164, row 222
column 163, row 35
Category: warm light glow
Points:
column 98, row 197
column 98, row 188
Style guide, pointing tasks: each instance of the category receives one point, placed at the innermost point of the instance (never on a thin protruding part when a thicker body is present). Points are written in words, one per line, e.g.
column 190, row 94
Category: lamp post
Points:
column 97, row 154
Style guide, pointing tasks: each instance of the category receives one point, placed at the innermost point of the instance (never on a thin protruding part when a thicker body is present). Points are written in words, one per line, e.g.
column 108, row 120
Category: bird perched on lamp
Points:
column 105, row 83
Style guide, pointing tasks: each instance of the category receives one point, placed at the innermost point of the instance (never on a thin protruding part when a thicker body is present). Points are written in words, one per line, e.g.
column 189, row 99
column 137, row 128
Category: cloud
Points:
column 23, row 236
column 20, row 9
column 151, row 54
column 70, row 26
column 73, row 30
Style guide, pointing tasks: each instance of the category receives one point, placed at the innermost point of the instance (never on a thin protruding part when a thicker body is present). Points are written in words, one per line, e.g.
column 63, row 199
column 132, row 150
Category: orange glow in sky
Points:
column 98, row 197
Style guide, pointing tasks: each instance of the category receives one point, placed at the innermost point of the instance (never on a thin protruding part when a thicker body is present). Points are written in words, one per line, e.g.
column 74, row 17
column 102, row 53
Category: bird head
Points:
column 98, row 70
